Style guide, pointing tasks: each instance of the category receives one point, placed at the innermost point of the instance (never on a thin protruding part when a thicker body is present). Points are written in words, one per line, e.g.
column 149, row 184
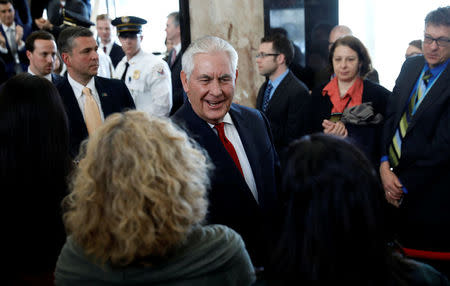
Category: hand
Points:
column 40, row 23
column 2, row 41
column 337, row 128
column 391, row 184
column 19, row 34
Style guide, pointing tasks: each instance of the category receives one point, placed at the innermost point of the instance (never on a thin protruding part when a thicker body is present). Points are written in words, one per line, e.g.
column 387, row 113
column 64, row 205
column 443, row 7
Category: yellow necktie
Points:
column 91, row 113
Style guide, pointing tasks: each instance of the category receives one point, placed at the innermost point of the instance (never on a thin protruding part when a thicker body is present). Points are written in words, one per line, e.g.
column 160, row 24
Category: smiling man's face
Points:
column 210, row 87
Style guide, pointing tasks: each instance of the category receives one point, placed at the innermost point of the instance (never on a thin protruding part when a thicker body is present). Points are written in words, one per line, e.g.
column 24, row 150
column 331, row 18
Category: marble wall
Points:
column 241, row 23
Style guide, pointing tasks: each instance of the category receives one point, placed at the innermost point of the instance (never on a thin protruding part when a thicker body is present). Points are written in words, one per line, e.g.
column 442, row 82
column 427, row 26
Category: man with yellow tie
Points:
column 415, row 170
column 88, row 99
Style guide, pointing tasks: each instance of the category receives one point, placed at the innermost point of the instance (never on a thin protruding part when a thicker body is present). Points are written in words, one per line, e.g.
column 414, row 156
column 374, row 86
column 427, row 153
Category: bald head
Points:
column 338, row 32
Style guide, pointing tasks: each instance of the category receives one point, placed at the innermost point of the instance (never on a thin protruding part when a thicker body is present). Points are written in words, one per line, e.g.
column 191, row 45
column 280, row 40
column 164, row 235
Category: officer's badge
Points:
column 161, row 71
column 136, row 74
column 125, row 19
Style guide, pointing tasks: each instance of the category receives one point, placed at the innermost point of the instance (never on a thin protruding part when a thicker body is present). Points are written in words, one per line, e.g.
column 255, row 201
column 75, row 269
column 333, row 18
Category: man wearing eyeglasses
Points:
column 415, row 170
column 282, row 97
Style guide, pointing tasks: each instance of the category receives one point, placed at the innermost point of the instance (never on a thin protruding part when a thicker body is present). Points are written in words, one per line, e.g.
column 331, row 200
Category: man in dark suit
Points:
column 106, row 43
column 237, row 138
column 41, row 51
column 416, row 140
column 12, row 40
column 174, row 59
column 282, row 97
column 88, row 99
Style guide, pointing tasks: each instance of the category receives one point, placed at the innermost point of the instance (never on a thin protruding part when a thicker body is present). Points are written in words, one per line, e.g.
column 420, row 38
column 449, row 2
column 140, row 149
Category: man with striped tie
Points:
column 415, row 170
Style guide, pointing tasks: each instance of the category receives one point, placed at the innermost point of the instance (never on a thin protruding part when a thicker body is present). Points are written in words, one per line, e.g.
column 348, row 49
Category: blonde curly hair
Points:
column 138, row 191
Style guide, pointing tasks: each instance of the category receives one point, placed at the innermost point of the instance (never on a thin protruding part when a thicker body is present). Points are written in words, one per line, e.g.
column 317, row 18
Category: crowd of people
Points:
column 131, row 169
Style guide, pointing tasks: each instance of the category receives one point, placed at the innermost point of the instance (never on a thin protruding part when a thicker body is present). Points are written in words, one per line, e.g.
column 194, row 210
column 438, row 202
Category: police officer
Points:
column 146, row 76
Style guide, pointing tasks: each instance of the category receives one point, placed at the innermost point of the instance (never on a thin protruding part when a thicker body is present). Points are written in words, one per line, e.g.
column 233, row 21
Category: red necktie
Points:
column 173, row 56
column 227, row 144
column 104, row 49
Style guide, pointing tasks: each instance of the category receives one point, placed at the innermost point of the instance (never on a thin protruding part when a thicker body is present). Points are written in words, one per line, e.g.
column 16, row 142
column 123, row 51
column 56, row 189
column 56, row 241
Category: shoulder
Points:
column 217, row 236
column 370, row 86
column 423, row 274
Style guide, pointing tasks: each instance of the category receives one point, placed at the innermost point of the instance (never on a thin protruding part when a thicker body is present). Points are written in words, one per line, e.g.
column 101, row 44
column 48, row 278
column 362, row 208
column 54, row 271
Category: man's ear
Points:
column 184, row 81
column 66, row 58
column 281, row 59
column 235, row 79
column 28, row 55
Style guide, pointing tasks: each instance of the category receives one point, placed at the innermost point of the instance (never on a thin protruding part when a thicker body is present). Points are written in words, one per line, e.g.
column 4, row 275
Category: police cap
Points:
column 128, row 25
column 73, row 19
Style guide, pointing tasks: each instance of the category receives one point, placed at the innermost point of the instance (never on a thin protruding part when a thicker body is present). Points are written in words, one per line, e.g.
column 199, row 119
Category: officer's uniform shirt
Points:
column 148, row 79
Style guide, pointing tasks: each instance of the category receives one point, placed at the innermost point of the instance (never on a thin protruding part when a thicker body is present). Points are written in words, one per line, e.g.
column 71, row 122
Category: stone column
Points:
column 241, row 23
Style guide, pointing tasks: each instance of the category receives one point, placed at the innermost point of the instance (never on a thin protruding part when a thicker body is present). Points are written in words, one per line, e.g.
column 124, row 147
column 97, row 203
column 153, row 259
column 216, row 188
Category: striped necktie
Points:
column 267, row 96
column 395, row 148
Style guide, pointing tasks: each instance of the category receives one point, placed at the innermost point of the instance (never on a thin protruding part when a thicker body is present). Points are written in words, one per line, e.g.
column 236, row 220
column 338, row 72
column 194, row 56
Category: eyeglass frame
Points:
column 263, row 55
column 440, row 42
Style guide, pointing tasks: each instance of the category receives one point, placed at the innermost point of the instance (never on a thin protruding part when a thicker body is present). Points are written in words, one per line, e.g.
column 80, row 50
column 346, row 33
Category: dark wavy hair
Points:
column 355, row 44
column 34, row 164
column 333, row 220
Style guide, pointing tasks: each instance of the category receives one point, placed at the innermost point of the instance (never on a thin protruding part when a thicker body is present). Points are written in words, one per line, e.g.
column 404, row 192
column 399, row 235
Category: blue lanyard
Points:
column 422, row 86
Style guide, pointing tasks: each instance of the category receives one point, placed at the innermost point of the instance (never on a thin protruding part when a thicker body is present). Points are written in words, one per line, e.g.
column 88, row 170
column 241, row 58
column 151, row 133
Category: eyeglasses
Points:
column 441, row 42
column 263, row 55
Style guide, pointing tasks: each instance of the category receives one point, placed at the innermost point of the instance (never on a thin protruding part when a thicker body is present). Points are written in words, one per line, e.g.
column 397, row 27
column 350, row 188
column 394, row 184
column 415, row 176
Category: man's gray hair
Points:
column 206, row 45
column 176, row 18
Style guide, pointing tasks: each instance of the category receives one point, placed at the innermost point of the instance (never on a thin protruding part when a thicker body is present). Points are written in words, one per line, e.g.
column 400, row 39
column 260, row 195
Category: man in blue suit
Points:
column 88, row 99
column 238, row 140
column 416, row 169
column 12, row 40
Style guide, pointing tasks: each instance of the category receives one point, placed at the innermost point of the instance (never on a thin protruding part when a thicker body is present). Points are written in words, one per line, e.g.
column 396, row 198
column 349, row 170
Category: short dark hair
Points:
column 280, row 44
column 4, row 2
column 68, row 35
column 416, row 43
column 440, row 16
column 355, row 44
column 176, row 18
column 37, row 35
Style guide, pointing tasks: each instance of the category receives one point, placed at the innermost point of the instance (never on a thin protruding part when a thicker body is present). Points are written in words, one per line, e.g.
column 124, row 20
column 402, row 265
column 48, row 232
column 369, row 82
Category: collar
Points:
column 437, row 70
column 278, row 80
column 177, row 48
column 47, row 76
column 78, row 87
column 136, row 57
column 5, row 28
column 226, row 119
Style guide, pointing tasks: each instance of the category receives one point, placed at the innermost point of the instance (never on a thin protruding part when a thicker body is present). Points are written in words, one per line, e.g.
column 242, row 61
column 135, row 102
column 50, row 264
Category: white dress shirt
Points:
column 233, row 136
column 10, row 40
column 78, row 91
column 149, row 82
column 48, row 76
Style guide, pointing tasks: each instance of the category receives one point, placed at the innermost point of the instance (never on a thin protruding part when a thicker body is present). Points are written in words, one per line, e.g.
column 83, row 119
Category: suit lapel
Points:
column 410, row 81
column 72, row 107
column 208, row 139
column 277, row 96
column 249, row 144
column 105, row 96
column 435, row 96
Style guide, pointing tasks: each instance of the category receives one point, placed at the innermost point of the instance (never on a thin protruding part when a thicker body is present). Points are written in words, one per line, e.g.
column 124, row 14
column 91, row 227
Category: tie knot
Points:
column 219, row 126
column 87, row 91
column 426, row 77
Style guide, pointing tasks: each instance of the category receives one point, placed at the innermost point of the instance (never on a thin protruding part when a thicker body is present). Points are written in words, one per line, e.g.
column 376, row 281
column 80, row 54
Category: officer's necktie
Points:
column 125, row 72
column 173, row 57
column 395, row 148
column 267, row 96
column 227, row 144
column 91, row 112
